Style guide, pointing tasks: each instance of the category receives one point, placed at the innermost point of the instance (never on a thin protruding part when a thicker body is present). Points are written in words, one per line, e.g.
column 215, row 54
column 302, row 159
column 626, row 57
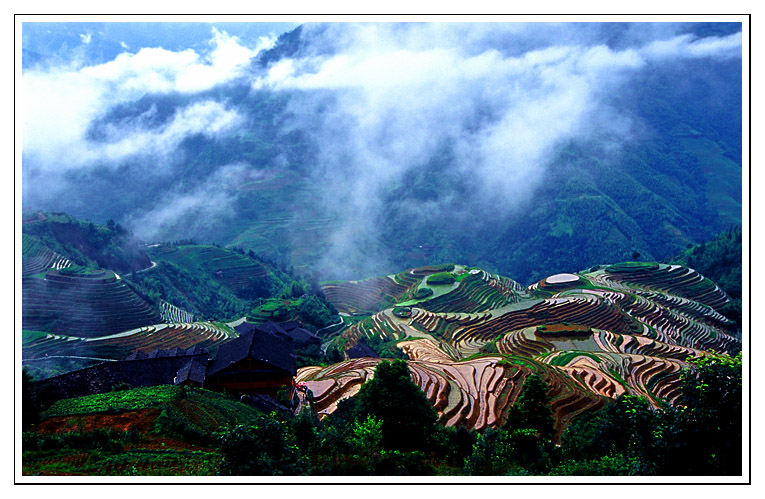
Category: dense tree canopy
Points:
column 408, row 419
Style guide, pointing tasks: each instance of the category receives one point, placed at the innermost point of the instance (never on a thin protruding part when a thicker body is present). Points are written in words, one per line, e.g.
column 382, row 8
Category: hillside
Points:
column 721, row 260
column 474, row 343
column 88, row 304
column 77, row 314
column 148, row 431
column 84, row 243
column 622, row 329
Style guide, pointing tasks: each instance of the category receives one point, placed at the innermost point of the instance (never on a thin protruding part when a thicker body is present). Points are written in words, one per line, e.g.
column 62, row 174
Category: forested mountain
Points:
column 721, row 260
column 639, row 152
column 83, row 281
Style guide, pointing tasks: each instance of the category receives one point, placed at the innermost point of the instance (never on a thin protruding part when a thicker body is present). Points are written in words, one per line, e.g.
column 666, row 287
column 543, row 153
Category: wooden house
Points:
column 258, row 361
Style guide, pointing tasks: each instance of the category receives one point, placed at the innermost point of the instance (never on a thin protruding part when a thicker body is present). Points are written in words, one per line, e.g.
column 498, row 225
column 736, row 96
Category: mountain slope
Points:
column 316, row 177
column 621, row 329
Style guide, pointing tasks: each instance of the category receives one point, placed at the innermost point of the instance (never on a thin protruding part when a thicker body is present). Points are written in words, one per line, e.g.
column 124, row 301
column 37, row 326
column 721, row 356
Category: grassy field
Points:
column 150, row 431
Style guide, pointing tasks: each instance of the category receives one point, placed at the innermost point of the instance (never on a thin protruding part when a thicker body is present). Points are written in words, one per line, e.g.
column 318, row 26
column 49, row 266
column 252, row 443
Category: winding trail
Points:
column 153, row 264
column 331, row 325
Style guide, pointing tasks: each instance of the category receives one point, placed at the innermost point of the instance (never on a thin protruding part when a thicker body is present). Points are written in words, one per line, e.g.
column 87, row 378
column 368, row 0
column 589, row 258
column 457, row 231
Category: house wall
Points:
column 250, row 376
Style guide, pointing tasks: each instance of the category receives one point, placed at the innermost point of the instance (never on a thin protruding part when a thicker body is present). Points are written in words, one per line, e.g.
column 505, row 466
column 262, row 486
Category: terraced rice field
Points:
column 168, row 336
column 38, row 346
column 232, row 269
column 171, row 313
column 88, row 305
column 624, row 329
column 358, row 297
column 36, row 258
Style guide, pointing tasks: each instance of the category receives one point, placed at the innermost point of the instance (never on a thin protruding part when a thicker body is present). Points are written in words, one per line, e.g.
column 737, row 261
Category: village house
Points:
column 258, row 361
column 261, row 360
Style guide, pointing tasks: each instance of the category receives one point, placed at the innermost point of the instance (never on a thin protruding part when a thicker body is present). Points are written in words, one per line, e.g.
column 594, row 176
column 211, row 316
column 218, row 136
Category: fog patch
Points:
column 188, row 208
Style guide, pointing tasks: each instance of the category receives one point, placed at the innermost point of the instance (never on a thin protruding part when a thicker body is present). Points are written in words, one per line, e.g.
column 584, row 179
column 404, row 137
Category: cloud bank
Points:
column 61, row 104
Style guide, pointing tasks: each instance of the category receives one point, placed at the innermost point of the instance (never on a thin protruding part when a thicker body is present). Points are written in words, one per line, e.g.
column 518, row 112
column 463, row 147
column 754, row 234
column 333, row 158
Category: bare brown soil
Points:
column 142, row 421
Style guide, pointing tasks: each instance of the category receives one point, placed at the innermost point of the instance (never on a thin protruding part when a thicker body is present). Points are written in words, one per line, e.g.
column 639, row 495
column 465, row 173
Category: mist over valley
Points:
column 359, row 149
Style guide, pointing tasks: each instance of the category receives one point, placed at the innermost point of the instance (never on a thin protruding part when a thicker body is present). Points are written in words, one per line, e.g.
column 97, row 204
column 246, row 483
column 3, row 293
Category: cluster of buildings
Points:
column 261, row 360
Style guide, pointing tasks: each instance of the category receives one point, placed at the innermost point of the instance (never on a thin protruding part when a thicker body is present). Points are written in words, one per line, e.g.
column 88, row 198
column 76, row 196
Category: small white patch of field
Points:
column 562, row 278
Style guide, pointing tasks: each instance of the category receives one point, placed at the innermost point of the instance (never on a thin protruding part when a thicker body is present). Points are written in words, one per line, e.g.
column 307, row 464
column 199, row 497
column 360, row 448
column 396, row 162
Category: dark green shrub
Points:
column 402, row 312
column 408, row 418
column 398, row 463
column 532, row 409
column 107, row 440
column 452, row 444
column 441, row 279
column 422, row 293
column 171, row 422
column 611, row 465
column 491, row 454
column 265, row 447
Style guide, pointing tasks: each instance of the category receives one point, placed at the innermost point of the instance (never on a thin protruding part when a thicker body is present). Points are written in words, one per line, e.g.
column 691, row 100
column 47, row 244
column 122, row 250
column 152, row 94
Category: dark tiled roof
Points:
column 244, row 327
column 273, row 328
column 257, row 344
column 290, row 329
column 197, row 350
column 194, row 370
column 303, row 336
column 137, row 355
column 289, row 325
column 360, row 350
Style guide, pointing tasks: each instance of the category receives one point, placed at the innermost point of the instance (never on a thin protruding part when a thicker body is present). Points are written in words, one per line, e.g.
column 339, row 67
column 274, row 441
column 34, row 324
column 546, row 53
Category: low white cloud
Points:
column 207, row 118
column 60, row 104
column 391, row 96
column 378, row 101
column 689, row 47
column 186, row 210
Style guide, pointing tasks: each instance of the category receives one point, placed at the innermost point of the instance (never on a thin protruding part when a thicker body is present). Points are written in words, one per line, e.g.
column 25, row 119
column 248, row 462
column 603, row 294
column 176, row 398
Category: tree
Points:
column 627, row 427
column 314, row 312
column 611, row 465
column 711, row 409
column 700, row 435
column 408, row 418
column 265, row 447
column 367, row 434
column 532, row 409
column 491, row 454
